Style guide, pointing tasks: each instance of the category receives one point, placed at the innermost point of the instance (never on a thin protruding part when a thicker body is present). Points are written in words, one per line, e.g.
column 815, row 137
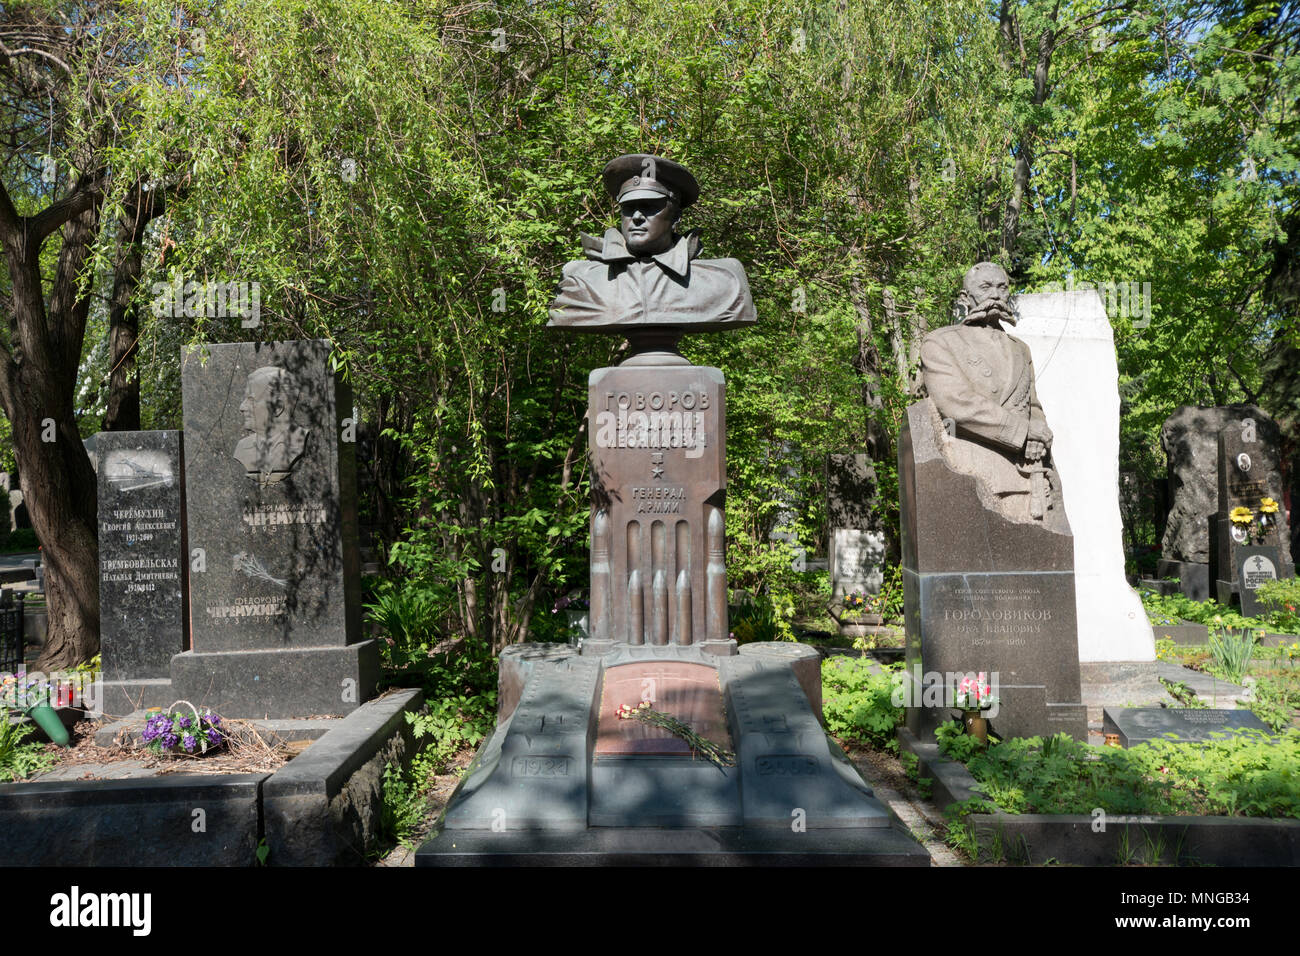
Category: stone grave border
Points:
column 322, row 808
column 1069, row 838
column 1188, row 634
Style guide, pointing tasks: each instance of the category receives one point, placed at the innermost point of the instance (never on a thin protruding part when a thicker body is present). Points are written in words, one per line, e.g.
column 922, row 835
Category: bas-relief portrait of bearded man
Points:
column 644, row 273
column 981, row 383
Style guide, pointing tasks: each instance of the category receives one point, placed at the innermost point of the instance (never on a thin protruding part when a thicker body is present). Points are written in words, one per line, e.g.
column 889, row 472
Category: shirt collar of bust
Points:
column 612, row 248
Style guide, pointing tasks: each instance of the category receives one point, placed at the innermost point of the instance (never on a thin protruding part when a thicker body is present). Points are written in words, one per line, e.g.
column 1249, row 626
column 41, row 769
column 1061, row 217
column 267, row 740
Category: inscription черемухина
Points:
column 249, row 607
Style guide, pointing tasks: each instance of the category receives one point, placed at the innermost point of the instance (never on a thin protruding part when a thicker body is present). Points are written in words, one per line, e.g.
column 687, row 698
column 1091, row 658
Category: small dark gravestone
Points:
column 143, row 606
column 1250, row 491
column 569, row 776
column 1190, row 440
column 1137, row 724
column 988, row 557
column 274, row 567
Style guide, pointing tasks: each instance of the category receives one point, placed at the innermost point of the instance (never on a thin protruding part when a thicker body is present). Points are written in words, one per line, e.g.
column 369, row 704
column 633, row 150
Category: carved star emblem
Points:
column 657, row 465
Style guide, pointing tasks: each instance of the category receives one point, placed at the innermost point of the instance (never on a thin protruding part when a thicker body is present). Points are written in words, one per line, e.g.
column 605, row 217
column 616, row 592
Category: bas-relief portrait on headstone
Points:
column 980, row 381
column 274, row 444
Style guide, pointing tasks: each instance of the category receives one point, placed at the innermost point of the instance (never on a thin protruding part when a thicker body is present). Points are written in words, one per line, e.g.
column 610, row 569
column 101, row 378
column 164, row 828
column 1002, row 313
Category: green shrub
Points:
column 1250, row 773
column 857, row 699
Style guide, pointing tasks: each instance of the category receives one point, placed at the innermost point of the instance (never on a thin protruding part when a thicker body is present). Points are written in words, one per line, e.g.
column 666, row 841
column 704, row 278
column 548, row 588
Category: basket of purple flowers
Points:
column 177, row 733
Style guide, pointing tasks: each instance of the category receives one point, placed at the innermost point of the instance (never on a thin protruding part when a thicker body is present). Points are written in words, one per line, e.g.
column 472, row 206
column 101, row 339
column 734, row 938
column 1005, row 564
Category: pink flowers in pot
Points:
column 974, row 693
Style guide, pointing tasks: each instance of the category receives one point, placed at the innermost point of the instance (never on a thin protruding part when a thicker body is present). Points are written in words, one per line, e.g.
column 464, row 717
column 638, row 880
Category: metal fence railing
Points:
column 11, row 632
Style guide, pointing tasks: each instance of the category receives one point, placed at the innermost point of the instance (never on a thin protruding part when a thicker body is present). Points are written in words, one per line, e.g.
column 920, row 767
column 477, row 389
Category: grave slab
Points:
column 1190, row 725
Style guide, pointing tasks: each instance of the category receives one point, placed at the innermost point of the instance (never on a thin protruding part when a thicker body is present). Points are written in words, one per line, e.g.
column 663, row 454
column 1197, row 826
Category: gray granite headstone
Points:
column 856, row 549
column 982, row 594
column 274, row 566
column 1137, row 724
column 143, row 609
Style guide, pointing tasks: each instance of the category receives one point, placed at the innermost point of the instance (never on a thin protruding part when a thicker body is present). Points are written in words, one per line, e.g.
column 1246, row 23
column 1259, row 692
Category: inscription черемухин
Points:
column 137, row 520
column 659, row 501
column 277, row 515
column 249, row 607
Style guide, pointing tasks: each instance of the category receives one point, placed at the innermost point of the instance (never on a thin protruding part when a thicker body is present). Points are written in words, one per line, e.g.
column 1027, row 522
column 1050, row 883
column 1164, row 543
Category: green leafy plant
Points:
column 1248, row 773
column 1274, row 700
column 758, row 620
column 858, row 701
column 955, row 743
column 1232, row 652
column 1282, row 597
column 403, row 806
column 19, row 760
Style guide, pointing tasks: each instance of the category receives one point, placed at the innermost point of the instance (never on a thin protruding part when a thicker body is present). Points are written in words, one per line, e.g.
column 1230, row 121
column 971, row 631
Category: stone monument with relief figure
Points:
column 564, row 778
column 988, row 556
column 274, row 578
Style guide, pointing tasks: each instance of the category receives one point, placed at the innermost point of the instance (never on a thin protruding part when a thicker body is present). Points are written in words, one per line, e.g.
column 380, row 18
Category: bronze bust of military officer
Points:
column 981, row 382
column 644, row 277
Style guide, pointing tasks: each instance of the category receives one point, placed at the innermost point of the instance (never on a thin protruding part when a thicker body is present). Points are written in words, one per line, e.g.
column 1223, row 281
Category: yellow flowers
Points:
column 1241, row 515
column 1268, row 506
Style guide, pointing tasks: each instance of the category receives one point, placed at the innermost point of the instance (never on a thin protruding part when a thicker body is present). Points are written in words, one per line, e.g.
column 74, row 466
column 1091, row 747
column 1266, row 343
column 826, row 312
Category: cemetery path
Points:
column 889, row 782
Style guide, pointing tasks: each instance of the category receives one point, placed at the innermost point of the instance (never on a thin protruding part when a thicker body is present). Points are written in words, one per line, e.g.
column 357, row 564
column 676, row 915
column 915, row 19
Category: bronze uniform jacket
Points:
column 614, row 288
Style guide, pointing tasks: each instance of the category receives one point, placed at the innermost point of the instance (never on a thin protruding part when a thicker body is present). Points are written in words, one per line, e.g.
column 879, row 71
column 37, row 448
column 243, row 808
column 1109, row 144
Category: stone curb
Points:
column 1112, row 839
column 324, row 807
column 180, row 820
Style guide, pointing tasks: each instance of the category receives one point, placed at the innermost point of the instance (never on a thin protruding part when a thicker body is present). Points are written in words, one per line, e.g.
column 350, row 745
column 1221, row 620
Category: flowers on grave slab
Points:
column 644, row 712
column 181, row 732
column 974, row 693
column 1241, row 515
column 1267, row 506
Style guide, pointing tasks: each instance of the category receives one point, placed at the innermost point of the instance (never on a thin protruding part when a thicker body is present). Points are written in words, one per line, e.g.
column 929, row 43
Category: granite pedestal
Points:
column 982, row 594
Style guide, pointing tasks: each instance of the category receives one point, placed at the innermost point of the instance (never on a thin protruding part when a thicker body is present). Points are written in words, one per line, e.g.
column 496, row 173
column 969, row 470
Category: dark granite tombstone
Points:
column 1135, row 725
column 564, row 778
column 271, row 501
column 1189, row 438
column 1249, row 471
column 988, row 557
column 143, row 598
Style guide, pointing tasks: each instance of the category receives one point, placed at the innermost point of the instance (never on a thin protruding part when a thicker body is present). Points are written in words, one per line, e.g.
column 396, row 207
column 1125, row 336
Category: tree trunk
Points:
column 40, row 369
column 123, row 408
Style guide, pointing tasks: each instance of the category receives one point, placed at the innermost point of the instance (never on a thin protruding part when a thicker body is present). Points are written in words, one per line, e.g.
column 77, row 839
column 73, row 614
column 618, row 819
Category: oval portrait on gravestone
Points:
column 273, row 443
column 1243, row 461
